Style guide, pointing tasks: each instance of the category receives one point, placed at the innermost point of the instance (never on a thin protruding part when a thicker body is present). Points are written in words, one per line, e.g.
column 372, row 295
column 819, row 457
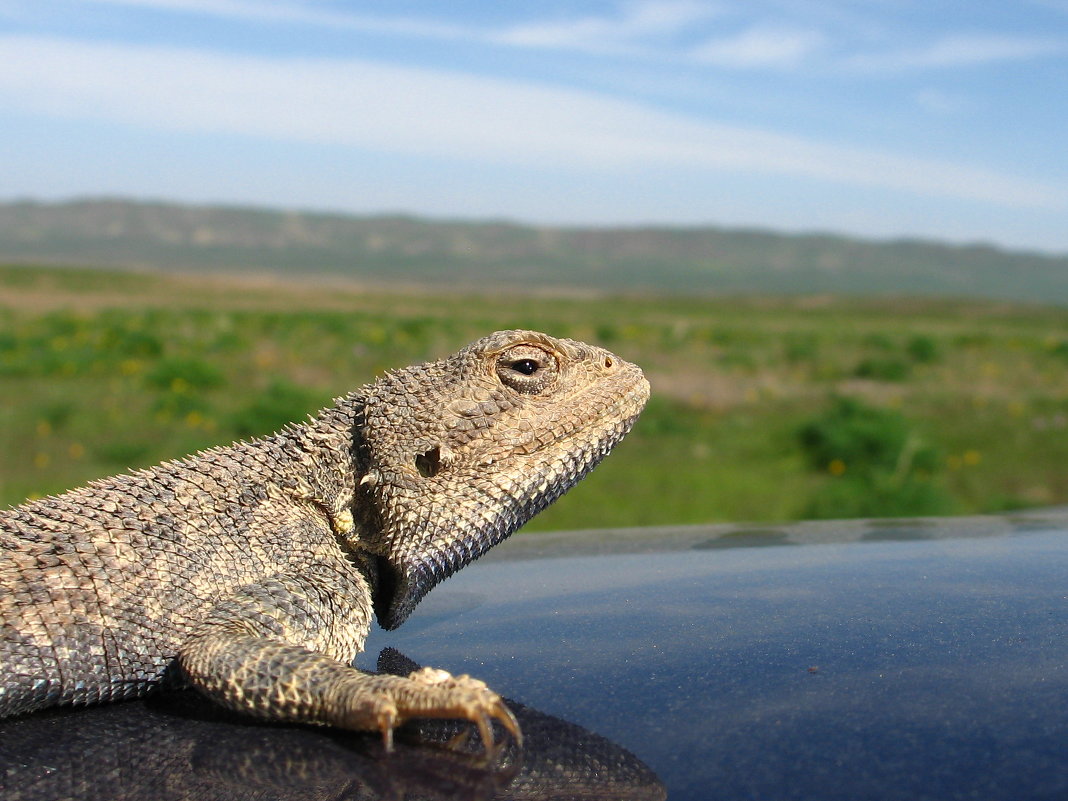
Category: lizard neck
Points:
column 323, row 452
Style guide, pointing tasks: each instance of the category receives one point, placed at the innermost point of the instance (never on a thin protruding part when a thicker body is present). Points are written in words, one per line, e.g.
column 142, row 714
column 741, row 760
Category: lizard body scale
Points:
column 252, row 571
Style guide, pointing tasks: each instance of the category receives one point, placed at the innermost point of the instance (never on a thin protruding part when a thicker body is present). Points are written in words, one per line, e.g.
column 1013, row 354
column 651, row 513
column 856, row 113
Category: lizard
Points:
column 251, row 572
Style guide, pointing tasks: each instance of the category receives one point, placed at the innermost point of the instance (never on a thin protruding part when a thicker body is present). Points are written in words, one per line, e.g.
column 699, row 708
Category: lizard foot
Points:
column 435, row 693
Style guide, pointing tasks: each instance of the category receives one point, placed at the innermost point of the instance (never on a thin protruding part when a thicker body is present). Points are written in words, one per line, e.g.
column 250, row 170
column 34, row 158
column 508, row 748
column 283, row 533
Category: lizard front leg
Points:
column 280, row 649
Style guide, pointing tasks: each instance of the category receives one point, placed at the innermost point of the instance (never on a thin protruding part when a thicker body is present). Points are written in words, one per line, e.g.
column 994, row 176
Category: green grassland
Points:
column 763, row 408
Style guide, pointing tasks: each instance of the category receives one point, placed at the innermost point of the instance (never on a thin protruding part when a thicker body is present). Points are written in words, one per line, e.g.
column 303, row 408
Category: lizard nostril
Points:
column 608, row 362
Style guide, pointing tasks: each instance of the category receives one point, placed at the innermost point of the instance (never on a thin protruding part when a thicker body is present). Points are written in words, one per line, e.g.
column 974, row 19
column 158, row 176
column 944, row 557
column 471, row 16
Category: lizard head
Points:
column 455, row 455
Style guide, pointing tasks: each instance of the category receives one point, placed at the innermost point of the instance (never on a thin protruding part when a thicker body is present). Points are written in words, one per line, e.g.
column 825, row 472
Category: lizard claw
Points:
column 503, row 715
column 446, row 696
column 387, row 722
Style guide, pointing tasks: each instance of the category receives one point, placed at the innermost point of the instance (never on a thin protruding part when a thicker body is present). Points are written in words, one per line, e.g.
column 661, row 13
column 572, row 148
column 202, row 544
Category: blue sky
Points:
column 880, row 118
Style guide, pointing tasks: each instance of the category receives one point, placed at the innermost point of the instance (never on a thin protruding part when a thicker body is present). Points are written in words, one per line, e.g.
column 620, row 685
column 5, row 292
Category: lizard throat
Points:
column 405, row 578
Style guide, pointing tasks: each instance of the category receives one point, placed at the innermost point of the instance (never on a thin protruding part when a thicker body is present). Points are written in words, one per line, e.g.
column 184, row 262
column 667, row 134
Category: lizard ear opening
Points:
column 429, row 464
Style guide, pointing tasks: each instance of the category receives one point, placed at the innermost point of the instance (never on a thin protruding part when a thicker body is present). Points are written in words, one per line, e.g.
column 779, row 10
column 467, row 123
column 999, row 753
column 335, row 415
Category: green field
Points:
column 763, row 408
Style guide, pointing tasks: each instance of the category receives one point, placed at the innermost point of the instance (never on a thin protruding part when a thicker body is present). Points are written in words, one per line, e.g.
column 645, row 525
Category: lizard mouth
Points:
column 435, row 552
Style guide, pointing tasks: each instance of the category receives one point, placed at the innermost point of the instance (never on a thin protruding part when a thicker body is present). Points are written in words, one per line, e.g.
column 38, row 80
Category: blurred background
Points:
column 833, row 233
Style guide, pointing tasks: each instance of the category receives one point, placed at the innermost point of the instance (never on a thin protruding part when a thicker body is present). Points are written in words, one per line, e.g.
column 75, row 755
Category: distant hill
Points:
column 396, row 248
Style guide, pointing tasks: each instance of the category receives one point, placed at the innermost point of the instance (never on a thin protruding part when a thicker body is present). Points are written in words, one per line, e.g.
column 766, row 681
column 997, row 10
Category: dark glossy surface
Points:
column 904, row 659
column 179, row 747
column 893, row 661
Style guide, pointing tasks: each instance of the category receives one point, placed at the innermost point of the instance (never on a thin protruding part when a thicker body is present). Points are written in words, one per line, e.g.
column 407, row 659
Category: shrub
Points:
column 923, row 349
column 883, row 369
column 861, row 497
column 183, row 374
column 876, row 464
column 57, row 414
column 122, row 454
column 131, row 342
column 606, row 334
column 801, row 349
column 856, row 434
column 282, row 402
column 879, row 342
column 179, row 403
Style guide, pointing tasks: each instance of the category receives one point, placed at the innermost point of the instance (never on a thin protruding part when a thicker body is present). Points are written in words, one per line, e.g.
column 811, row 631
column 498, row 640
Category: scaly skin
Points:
column 252, row 571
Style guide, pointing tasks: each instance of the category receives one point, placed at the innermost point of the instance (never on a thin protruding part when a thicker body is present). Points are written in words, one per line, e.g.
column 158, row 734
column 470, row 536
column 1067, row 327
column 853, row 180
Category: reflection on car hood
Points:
column 861, row 659
column 180, row 747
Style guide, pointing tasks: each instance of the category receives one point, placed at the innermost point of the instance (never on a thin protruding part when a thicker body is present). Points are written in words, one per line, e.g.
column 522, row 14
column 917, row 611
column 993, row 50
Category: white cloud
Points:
column 656, row 28
column 636, row 28
column 637, row 23
column 760, row 48
column 452, row 116
column 313, row 14
column 621, row 32
column 962, row 51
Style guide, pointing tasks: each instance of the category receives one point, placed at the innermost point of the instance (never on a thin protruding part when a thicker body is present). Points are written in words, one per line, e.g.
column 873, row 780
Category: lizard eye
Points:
column 525, row 366
column 527, row 369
